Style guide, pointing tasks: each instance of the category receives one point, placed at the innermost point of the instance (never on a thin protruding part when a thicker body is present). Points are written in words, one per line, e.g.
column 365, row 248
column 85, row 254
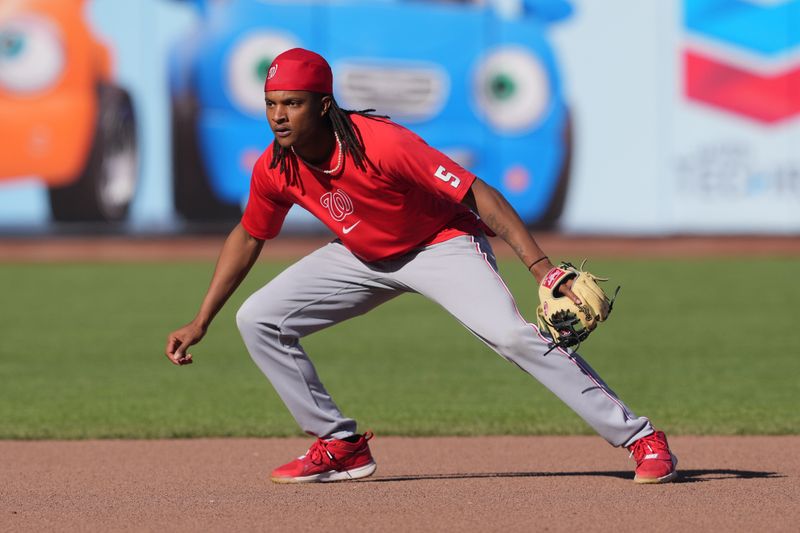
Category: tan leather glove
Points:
column 569, row 324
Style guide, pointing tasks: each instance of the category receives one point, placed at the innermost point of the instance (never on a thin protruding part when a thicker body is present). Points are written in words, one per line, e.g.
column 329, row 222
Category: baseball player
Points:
column 407, row 219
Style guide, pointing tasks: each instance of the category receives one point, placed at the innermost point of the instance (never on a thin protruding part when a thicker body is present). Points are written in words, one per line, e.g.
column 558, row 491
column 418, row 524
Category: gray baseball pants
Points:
column 331, row 285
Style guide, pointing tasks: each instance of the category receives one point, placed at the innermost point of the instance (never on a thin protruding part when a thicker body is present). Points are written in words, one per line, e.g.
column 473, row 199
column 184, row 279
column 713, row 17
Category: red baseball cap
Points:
column 300, row 70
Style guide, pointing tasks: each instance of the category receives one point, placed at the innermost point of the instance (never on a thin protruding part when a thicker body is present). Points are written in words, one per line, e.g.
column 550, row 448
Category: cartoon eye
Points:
column 31, row 55
column 247, row 68
column 511, row 89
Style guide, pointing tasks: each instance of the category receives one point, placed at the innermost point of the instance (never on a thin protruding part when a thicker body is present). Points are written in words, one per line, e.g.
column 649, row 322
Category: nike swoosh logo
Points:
column 348, row 229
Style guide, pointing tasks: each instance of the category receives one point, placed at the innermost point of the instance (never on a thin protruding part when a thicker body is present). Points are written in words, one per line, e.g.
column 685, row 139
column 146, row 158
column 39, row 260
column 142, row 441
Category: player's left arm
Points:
column 501, row 218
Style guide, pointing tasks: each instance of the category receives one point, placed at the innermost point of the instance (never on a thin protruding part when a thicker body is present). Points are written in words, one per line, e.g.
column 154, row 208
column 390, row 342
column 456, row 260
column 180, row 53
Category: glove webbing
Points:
column 567, row 322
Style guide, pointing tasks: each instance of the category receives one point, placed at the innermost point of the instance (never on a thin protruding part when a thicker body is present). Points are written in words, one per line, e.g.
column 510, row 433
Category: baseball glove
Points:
column 569, row 324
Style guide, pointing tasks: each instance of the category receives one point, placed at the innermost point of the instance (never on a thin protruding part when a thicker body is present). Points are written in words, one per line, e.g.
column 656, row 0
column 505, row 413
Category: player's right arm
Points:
column 237, row 257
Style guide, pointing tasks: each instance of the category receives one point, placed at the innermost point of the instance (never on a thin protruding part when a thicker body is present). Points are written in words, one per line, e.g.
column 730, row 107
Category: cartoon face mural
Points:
column 61, row 117
column 476, row 82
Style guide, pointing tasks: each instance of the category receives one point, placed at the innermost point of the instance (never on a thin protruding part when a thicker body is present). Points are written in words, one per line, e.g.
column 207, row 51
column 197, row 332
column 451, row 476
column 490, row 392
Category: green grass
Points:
column 700, row 346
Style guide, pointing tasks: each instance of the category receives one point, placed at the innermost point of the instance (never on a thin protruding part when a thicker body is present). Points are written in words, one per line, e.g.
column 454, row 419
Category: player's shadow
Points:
column 684, row 476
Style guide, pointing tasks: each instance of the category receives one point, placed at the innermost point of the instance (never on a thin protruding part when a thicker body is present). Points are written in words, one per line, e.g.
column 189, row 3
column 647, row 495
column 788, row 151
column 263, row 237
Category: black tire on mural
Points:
column 105, row 188
column 193, row 197
column 556, row 207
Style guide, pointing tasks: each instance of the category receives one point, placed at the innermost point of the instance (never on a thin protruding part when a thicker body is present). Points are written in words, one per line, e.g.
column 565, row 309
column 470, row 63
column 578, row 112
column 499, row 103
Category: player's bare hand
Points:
column 179, row 341
column 566, row 290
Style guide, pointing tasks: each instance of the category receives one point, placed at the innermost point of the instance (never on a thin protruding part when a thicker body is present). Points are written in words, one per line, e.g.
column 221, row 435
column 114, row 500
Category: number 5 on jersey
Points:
column 445, row 176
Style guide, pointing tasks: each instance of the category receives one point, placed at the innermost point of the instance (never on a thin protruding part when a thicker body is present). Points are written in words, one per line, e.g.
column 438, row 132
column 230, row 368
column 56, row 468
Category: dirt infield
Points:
column 422, row 484
column 558, row 246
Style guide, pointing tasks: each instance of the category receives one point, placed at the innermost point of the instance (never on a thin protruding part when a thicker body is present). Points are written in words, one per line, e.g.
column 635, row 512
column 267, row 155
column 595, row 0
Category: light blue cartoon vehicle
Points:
column 478, row 81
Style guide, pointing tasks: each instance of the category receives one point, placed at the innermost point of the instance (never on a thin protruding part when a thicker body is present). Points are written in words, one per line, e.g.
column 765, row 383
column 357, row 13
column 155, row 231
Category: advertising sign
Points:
column 687, row 116
column 735, row 162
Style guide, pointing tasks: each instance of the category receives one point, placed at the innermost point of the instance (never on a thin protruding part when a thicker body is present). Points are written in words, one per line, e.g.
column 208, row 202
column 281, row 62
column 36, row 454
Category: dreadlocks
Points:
column 352, row 144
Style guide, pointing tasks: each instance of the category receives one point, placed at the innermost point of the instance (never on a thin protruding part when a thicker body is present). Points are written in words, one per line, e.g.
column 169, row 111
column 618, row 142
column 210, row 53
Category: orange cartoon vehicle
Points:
column 62, row 119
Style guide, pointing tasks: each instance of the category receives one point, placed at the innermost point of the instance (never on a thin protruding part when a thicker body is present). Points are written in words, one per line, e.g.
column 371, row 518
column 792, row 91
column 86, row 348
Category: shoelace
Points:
column 637, row 449
column 318, row 453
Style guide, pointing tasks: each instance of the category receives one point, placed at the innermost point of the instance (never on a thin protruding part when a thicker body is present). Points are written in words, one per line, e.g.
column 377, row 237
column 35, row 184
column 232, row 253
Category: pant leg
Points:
column 322, row 289
column 461, row 275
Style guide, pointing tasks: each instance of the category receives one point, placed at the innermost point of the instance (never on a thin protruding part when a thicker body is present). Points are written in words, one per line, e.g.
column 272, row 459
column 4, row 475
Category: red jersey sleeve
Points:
column 266, row 208
column 407, row 156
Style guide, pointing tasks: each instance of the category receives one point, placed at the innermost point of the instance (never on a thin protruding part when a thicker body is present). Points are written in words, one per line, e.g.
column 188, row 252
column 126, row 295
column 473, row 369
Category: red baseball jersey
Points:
column 409, row 195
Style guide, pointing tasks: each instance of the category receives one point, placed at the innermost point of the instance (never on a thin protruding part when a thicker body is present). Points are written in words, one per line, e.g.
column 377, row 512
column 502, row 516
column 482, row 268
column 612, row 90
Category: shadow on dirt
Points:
column 685, row 476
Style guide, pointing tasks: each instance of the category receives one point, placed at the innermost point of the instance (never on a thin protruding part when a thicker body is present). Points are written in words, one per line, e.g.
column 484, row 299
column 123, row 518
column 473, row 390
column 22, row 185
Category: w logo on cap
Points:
column 301, row 70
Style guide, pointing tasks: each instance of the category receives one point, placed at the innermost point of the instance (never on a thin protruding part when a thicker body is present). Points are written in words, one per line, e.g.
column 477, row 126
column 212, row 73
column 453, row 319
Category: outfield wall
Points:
column 685, row 116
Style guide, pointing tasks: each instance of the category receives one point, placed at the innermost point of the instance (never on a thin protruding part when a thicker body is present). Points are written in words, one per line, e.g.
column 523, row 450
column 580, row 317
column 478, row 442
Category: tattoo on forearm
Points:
column 502, row 229
column 497, row 226
column 518, row 249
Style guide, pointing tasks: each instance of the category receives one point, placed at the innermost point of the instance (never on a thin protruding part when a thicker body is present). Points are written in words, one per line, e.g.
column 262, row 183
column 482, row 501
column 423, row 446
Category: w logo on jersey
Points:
column 338, row 204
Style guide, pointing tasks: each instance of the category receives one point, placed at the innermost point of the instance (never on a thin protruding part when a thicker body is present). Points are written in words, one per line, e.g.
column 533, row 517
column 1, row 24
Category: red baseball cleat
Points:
column 329, row 460
column 654, row 462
